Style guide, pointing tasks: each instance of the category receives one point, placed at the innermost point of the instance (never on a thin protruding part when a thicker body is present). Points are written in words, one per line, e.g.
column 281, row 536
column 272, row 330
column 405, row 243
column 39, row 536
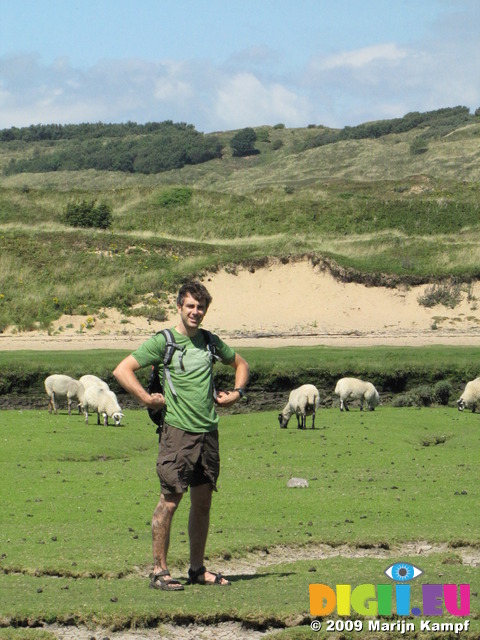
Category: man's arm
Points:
column 242, row 372
column 126, row 377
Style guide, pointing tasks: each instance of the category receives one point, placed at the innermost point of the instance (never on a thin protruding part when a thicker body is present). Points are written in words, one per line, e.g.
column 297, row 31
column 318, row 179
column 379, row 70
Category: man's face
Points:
column 192, row 312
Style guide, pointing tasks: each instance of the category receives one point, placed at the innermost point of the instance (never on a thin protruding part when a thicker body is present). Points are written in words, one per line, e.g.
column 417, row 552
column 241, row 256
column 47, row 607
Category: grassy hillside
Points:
column 377, row 206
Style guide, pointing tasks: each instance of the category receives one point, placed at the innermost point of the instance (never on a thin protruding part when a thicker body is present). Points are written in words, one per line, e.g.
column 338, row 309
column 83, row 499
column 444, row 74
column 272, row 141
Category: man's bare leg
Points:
column 161, row 526
column 198, row 525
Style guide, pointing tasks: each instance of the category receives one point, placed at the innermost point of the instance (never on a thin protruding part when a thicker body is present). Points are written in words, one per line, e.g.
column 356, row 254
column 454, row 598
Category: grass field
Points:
column 77, row 502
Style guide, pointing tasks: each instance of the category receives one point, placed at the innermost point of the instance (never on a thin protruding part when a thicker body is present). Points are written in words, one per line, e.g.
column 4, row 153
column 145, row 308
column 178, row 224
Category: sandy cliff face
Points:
column 283, row 304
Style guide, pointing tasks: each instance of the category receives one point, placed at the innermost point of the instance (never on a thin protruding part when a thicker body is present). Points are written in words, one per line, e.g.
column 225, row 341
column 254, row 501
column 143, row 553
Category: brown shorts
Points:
column 187, row 459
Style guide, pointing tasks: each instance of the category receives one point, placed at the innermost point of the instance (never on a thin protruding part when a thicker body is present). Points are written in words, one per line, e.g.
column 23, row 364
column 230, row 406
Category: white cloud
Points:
column 387, row 80
column 257, row 84
column 171, row 90
column 246, row 101
column 170, row 87
column 363, row 57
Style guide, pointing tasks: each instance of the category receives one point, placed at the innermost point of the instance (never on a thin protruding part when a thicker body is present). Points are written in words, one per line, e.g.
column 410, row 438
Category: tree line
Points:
column 161, row 146
column 42, row 132
column 131, row 148
column 430, row 123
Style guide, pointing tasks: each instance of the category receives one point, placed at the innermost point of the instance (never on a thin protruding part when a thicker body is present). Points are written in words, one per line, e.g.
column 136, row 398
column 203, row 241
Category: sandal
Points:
column 158, row 582
column 194, row 575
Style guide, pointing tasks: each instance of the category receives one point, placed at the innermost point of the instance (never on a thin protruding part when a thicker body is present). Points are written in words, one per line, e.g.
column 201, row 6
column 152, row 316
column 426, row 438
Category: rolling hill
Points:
column 386, row 202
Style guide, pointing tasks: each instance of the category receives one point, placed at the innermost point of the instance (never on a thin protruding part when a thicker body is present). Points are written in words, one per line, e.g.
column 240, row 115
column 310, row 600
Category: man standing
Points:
column 188, row 452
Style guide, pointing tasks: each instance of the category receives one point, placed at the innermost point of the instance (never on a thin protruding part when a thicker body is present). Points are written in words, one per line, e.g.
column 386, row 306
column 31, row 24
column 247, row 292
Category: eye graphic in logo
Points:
column 403, row 572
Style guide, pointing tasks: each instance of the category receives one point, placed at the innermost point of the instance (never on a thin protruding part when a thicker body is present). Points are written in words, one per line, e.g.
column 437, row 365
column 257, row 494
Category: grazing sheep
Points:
column 355, row 389
column 302, row 402
column 102, row 401
column 470, row 395
column 60, row 386
column 88, row 380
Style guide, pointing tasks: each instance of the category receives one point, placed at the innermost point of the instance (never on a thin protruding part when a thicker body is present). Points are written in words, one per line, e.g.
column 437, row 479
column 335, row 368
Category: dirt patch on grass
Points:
column 222, row 631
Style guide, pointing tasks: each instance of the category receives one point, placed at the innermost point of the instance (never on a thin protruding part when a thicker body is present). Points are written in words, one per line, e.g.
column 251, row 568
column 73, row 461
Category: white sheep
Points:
column 355, row 389
column 61, row 386
column 102, row 401
column 470, row 395
column 302, row 402
column 89, row 379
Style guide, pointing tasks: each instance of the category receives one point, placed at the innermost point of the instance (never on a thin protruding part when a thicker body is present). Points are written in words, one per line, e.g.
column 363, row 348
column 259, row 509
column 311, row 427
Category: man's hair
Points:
column 196, row 290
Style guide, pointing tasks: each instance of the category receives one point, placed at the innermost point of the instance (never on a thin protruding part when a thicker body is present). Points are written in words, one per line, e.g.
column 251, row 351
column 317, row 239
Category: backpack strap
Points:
column 211, row 346
column 170, row 347
column 212, row 349
column 154, row 385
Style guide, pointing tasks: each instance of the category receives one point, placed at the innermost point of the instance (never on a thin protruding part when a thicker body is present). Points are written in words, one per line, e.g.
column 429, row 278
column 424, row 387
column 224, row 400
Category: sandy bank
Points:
column 292, row 304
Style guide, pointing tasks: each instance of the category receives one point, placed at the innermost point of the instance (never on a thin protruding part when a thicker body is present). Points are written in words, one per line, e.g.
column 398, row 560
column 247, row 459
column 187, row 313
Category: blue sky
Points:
column 223, row 65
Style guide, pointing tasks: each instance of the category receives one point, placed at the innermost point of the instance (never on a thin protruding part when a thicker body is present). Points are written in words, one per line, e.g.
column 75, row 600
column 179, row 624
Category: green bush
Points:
column 424, row 395
column 403, row 400
column 152, row 312
column 243, row 142
column 175, row 196
column 86, row 214
column 263, row 135
column 418, row 146
column 443, row 390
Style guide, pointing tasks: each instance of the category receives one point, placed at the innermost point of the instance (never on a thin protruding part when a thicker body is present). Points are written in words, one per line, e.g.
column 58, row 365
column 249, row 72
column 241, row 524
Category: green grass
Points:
column 75, row 541
column 342, row 358
column 26, row 634
column 393, row 369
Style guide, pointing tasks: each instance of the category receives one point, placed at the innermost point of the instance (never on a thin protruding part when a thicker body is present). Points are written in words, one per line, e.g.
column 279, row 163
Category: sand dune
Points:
column 283, row 304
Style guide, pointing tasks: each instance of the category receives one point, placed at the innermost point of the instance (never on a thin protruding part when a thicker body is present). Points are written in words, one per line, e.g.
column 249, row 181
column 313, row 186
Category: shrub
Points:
column 263, row 135
column 424, row 395
column 86, row 214
column 132, row 148
column 175, row 196
column 243, row 142
column 403, row 400
column 447, row 294
column 154, row 313
column 418, row 146
column 443, row 390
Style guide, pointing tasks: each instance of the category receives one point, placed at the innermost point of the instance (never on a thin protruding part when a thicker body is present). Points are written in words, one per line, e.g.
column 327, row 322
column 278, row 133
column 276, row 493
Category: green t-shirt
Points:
column 193, row 408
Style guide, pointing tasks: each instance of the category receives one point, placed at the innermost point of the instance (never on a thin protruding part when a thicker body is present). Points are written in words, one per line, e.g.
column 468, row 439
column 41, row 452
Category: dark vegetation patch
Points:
column 403, row 377
column 129, row 148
